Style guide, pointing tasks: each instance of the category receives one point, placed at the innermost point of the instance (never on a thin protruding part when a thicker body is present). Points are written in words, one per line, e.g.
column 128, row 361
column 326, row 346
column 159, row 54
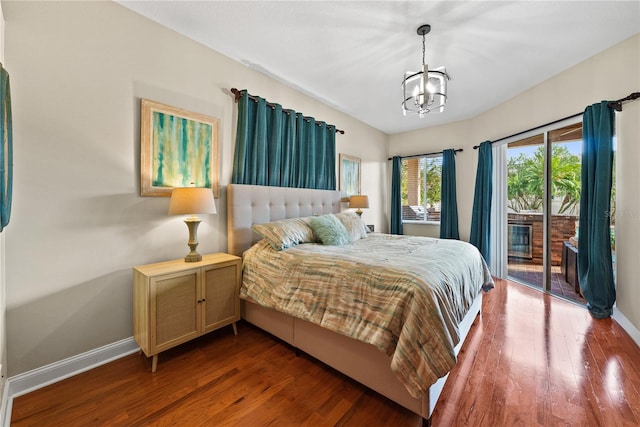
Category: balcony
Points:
column 418, row 213
column 525, row 250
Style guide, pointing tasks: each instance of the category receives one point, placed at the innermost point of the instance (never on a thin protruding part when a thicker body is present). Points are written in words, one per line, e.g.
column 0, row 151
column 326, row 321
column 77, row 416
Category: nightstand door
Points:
column 221, row 285
column 174, row 310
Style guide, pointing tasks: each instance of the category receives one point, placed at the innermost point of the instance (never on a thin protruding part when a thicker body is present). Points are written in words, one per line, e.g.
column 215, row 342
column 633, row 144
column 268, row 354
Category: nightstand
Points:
column 177, row 301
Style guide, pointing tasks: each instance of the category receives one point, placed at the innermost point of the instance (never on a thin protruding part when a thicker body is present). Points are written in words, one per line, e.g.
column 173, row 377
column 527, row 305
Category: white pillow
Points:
column 353, row 223
column 285, row 233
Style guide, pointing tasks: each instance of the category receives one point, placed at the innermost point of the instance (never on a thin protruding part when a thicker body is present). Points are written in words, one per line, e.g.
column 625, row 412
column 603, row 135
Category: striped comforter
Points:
column 405, row 295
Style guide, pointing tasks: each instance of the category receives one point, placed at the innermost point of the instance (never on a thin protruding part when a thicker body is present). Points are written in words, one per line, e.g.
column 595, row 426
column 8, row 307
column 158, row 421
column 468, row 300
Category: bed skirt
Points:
column 357, row 360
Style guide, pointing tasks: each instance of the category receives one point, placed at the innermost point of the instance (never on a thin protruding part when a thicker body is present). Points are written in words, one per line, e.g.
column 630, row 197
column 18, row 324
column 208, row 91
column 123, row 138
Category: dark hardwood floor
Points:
column 531, row 360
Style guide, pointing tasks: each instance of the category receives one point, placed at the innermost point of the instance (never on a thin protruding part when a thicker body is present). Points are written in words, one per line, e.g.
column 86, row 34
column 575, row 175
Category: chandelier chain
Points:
column 423, row 49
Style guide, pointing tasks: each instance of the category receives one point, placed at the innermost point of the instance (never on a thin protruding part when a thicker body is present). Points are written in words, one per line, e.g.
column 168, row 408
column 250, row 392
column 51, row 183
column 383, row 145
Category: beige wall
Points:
column 612, row 74
column 78, row 224
column 628, row 212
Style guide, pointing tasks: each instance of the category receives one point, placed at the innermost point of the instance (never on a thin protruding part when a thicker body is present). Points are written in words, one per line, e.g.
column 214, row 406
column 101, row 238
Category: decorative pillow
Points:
column 574, row 241
column 330, row 230
column 354, row 225
column 285, row 233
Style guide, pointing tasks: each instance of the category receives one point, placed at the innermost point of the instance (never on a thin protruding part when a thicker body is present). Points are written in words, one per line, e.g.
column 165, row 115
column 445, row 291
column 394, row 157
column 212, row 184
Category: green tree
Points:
column 525, row 179
column 404, row 183
column 433, row 171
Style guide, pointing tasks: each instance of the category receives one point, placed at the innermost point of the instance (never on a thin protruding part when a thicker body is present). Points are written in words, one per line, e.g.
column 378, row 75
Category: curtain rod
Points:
column 238, row 93
column 426, row 154
column 475, row 147
column 616, row 105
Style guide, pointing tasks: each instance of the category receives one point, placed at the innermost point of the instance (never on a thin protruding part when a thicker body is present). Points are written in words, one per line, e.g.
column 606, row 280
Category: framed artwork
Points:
column 6, row 152
column 349, row 176
column 178, row 148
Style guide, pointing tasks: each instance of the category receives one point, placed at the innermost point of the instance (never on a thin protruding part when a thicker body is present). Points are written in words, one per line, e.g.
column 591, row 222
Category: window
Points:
column 421, row 183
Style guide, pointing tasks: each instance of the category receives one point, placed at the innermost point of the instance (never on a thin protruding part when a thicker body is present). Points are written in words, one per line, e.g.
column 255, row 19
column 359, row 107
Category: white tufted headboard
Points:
column 257, row 204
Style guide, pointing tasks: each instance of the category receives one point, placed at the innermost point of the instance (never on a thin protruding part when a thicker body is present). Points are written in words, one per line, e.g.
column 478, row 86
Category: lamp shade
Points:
column 191, row 200
column 359, row 201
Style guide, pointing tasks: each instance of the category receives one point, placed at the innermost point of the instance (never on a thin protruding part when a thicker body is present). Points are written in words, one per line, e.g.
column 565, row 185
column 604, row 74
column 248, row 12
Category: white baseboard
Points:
column 58, row 371
column 633, row 332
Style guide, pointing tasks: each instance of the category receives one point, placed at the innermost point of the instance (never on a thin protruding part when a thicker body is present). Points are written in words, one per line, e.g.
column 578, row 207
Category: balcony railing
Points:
column 418, row 213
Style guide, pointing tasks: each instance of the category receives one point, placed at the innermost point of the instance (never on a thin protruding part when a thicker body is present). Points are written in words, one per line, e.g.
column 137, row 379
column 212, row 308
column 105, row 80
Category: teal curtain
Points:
column 481, row 213
column 396, row 195
column 304, row 162
column 595, row 269
column 288, row 152
column 247, row 131
column 282, row 148
column 273, row 153
column 6, row 153
column 325, row 155
column 448, row 197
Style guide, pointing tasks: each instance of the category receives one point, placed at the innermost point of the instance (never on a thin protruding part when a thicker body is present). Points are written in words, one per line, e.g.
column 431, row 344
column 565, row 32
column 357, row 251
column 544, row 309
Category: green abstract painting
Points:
column 349, row 176
column 179, row 150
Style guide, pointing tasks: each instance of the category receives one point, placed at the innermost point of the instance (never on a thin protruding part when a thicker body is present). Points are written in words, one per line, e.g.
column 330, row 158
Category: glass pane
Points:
column 566, row 158
column 421, row 183
column 525, row 191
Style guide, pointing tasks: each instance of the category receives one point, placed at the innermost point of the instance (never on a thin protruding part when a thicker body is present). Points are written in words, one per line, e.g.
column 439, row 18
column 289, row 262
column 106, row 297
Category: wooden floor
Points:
column 531, row 360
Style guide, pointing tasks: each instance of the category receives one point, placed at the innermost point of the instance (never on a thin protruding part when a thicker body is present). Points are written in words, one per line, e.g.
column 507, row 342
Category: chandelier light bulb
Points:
column 430, row 87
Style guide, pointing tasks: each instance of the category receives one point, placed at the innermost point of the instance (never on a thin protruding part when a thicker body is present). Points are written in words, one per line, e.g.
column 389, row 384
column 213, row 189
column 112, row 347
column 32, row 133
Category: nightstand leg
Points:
column 154, row 363
column 235, row 328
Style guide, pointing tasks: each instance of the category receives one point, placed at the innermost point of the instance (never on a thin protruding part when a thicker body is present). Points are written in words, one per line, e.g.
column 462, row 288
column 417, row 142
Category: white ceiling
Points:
column 352, row 55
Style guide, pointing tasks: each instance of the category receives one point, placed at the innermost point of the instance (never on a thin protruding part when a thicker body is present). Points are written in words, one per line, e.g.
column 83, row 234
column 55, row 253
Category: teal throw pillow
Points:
column 330, row 230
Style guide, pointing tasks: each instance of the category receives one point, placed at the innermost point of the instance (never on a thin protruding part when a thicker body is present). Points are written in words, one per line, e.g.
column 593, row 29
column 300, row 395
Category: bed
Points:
column 378, row 360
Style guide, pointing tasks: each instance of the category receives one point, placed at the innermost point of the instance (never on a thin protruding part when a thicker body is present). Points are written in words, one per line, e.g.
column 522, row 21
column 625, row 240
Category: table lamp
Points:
column 359, row 201
column 191, row 201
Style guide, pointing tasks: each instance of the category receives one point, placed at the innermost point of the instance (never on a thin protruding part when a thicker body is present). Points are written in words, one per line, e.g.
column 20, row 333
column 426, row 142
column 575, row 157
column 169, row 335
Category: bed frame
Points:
column 251, row 204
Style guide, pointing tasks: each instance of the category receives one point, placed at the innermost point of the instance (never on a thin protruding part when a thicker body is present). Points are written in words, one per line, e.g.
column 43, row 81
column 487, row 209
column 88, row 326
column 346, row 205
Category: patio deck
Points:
column 531, row 274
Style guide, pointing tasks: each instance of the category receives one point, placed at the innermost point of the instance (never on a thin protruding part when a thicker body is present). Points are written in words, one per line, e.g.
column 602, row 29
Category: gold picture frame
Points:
column 349, row 176
column 178, row 148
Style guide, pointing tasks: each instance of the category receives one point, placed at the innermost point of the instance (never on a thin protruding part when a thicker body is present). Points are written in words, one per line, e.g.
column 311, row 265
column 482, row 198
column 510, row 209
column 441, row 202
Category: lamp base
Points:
column 192, row 225
column 359, row 212
column 193, row 257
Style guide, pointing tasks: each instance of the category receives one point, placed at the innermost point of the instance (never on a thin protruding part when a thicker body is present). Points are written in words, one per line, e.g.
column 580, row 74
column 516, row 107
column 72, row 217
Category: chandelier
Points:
column 424, row 91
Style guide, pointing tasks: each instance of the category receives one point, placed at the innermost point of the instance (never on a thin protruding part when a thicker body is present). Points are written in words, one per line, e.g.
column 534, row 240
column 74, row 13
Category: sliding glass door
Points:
column 543, row 193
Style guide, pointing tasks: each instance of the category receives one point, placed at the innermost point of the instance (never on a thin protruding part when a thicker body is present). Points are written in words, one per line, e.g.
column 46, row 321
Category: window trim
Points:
column 421, row 222
column 440, row 156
